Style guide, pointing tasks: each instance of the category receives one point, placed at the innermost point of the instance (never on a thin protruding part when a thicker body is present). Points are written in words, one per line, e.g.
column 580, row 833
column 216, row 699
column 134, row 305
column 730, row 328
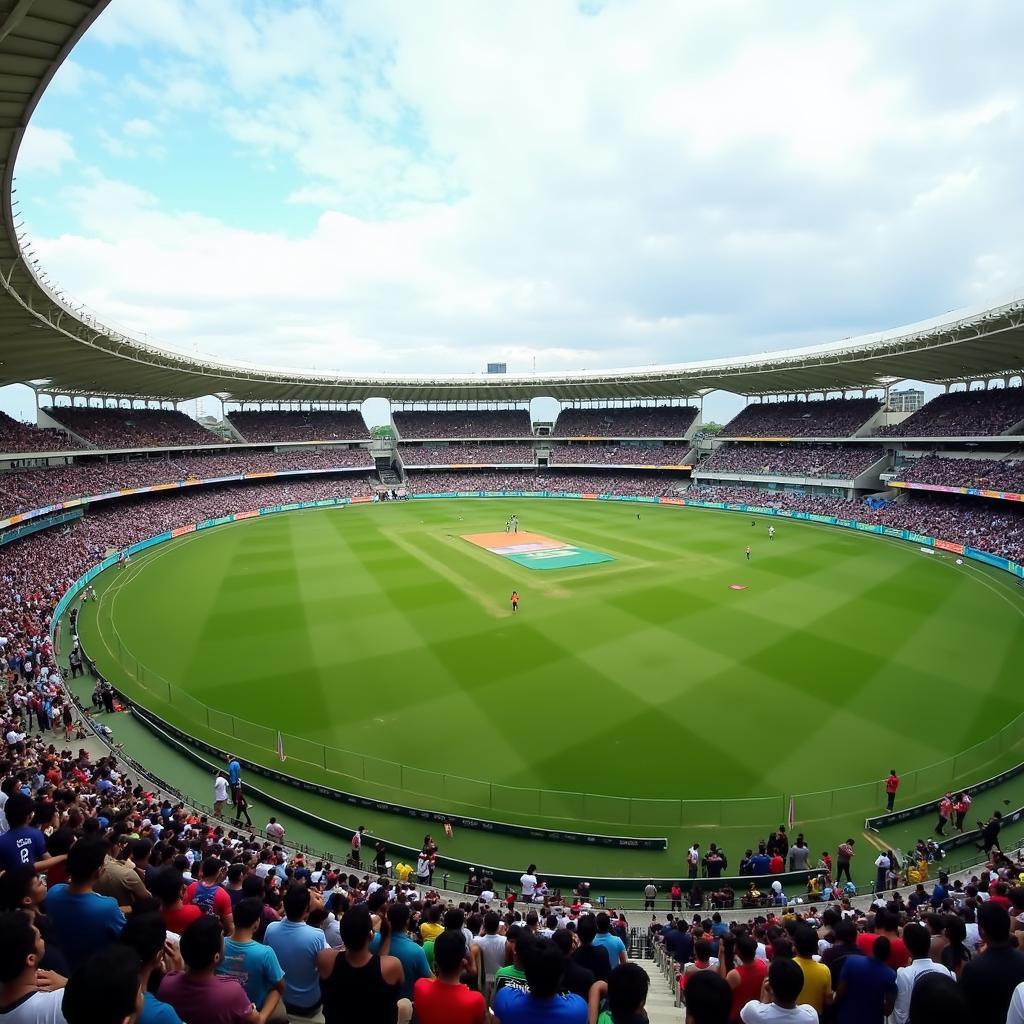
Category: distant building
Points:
column 497, row 367
column 908, row 400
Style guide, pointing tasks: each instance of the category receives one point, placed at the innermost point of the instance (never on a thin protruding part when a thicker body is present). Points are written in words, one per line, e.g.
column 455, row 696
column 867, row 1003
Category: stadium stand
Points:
column 835, row 417
column 965, row 414
column 807, row 460
column 987, row 524
column 463, row 423
column 944, row 471
column 33, row 488
column 299, row 425
column 649, row 485
column 21, row 437
column 641, row 421
column 620, row 455
column 465, row 454
column 132, row 428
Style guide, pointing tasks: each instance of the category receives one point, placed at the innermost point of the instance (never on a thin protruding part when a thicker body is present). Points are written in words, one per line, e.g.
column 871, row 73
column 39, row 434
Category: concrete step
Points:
column 661, row 1008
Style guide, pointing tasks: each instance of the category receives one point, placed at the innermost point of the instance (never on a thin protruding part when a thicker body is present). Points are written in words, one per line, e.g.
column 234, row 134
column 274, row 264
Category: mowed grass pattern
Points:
column 377, row 629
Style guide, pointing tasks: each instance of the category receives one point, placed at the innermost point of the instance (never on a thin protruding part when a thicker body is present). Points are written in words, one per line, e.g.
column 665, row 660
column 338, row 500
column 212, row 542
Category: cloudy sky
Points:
column 394, row 185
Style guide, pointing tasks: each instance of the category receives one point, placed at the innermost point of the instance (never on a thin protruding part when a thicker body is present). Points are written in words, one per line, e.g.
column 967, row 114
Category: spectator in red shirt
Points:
column 887, row 924
column 169, row 889
column 209, row 895
column 776, row 865
column 445, row 1000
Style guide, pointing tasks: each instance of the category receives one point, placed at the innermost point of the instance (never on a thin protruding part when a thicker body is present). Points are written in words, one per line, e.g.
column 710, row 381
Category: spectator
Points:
column 613, row 946
column 22, row 843
column 145, row 935
column 84, row 921
column 542, row 963
column 817, row 986
column 779, row 1002
column 918, row 943
column 989, row 979
column 252, row 964
column 938, row 999
column 445, row 1000
column 867, row 987
column 121, row 882
column 27, row 994
column 575, row 978
column 591, row 955
column 169, row 889
column 207, row 893
column 198, row 994
column 105, row 989
column 360, row 985
column 490, row 950
column 747, row 977
column 298, row 945
column 708, row 1000
column 409, row 953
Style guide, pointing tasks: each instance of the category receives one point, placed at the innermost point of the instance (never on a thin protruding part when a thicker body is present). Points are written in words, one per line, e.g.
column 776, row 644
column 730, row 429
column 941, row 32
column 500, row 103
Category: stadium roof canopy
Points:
column 49, row 341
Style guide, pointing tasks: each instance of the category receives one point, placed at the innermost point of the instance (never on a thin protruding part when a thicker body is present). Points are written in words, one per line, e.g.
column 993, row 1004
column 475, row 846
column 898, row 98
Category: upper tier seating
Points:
column 299, row 425
column 656, row 421
column 459, row 454
column 463, row 423
column 964, row 414
column 843, row 461
column 990, row 474
column 651, row 485
column 21, row 437
column 835, row 417
column 33, row 488
column 133, row 428
column 620, row 455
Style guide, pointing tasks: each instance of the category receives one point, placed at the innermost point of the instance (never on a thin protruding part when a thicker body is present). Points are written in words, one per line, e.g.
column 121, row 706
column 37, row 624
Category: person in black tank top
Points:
column 360, row 987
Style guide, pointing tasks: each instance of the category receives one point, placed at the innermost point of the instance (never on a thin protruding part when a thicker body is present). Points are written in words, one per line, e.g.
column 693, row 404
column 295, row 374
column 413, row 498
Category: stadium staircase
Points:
column 661, row 1004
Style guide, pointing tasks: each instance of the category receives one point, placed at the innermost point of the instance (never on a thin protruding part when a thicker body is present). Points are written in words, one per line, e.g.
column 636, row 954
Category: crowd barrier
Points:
column 390, row 783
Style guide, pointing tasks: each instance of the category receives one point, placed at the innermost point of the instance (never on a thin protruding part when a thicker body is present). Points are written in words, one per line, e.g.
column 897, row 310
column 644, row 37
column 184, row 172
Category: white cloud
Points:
column 622, row 184
column 44, row 151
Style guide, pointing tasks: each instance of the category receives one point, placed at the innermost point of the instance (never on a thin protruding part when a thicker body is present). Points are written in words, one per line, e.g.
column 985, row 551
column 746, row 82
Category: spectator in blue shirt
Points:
column 297, row 946
column 867, row 987
column 410, row 953
column 253, row 965
column 85, row 922
column 22, row 844
column 542, row 963
column 760, row 861
column 611, row 944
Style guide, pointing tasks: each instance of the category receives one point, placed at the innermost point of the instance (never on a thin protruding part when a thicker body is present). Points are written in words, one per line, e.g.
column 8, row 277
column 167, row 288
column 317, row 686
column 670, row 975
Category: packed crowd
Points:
column 995, row 526
column 989, row 474
column 460, row 454
column 809, row 460
column 33, row 488
column 655, row 421
column 22, row 437
column 299, row 425
column 463, row 423
column 620, row 455
column 964, row 414
column 132, row 428
column 636, row 485
column 945, row 955
column 835, row 417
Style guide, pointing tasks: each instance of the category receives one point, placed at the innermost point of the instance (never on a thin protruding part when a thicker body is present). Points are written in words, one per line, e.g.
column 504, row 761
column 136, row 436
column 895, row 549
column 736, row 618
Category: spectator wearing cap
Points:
column 84, row 921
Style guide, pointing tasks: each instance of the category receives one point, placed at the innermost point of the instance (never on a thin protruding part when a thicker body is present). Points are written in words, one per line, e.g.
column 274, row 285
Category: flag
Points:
column 280, row 746
column 790, row 818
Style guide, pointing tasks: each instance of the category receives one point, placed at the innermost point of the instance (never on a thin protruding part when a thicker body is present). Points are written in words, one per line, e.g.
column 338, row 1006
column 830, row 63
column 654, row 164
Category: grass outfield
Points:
column 380, row 630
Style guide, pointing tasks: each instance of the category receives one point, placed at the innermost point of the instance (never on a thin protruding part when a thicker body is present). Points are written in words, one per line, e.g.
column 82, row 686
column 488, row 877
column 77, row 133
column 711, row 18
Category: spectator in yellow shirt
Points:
column 817, row 987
